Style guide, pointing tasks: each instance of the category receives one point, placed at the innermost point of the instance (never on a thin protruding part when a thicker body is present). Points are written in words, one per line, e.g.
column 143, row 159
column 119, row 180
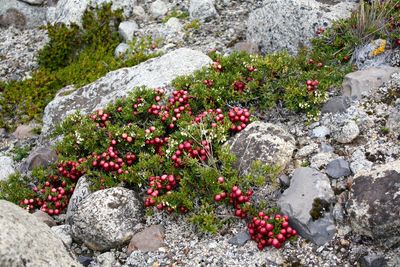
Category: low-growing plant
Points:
column 20, row 152
column 74, row 55
column 179, row 14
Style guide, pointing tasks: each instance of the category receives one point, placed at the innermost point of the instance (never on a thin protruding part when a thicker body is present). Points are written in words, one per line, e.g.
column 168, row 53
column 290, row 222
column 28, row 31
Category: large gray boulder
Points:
column 262, row 141
column 364, row 82
column 374, row 204
column 106, row 219
column 25, row 241
column 20, row 14
column 157, row 72
column 307, row 186
column 71, row 11
column 288, row 24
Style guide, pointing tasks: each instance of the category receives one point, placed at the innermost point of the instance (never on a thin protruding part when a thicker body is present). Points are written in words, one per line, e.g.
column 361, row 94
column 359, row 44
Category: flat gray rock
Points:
column 21, row 15
column 363, row 82
column 338, row 168
column 337, row 104
column 26, row 241
column 305, row 186
column 6, row 167
column 157, row 72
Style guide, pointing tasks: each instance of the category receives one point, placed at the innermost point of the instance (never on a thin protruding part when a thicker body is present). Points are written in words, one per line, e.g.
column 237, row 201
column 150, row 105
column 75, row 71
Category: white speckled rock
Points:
column 64, row 233
column 26, row 241
column 202, row 9
column 6, row 167
column 71, row 11
column 82, row 190
column 106, row 218
column 127, row 30
column 158, row 9
column 262, row 141
column 121, row 50
column 347, row 133
column 157, row 72
column 288, row 24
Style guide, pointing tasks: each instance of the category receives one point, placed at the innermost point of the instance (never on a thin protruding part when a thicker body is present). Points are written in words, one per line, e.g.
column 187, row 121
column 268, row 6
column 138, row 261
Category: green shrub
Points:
column 75, row 56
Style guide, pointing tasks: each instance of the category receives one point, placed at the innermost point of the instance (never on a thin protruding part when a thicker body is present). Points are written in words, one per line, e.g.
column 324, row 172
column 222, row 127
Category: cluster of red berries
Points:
column 239, row 86
column 111, row 162
column 189, row 148
column 270, row 230
column 178, row 104
column 216, row 116
column 158, row 186
column 136, row 104
column 208, row 83
column 70, row 169
column 312, row 62
column 52, row 197
column 100, row 118
column 217, row 66
column 312, row 86
column 239, row 118
column 158, row 143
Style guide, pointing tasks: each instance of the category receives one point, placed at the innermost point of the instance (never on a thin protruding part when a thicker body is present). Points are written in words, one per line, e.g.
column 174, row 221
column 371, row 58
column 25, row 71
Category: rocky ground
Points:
column 351, row 153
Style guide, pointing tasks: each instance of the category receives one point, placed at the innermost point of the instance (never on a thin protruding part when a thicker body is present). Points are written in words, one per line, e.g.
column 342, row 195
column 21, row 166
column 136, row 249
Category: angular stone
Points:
column 202, row 9
column 106, row 219
column 127, row 30
column 45, row 218
column 240, row 239
column 39, row 157
column 33, row 2
column 82, row 190
column 157, row 72
column 363, row 82
column 393, row 122
column 374, row 204
column 150, row 239
column 337, row 104
column 373, row 260
column 305, row 186
column 6, row 167
column 338, row 168
column 25, row 241
column 262, row 141
column 290, row 24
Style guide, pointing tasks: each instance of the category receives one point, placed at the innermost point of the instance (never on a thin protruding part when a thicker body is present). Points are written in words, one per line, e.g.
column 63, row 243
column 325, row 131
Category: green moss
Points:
column 20, row 152
column 192, row 25
column 319, row 207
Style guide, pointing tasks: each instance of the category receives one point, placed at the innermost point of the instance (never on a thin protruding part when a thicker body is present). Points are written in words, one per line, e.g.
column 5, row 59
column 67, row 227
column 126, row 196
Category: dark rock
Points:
column 374, row 204
column 284, row 180
column 44, row 217
column 240, row 239
column 338, row 104
column 338, row 168
column 372, row 260
column 248, row 47
column 85, row 261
